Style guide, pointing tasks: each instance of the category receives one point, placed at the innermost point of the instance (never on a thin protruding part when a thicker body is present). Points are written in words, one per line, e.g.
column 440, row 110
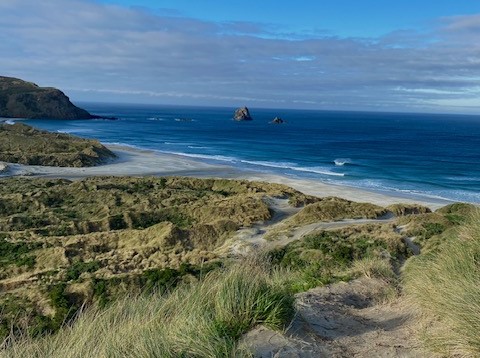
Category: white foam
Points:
column 291, row 166
column 318, row 170
column 71, row 131
column 221, row 158
column 342, row 161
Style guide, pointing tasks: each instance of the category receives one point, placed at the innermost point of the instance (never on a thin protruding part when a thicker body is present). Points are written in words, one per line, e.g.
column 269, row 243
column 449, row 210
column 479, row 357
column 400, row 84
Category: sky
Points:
column 372, row 55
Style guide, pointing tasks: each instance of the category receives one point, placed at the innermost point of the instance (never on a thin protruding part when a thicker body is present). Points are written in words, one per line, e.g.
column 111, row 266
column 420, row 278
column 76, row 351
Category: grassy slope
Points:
column 23, row 144
column 21, row 99
column 445, row 284
column 132, row 217
column 100, row 238
column 203, row 319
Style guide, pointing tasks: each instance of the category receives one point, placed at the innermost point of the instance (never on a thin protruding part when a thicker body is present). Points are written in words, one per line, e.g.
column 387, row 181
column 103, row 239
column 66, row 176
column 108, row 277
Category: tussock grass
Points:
column 374, row 267
column 445, row 285
column 203, row 319
column 333, row 208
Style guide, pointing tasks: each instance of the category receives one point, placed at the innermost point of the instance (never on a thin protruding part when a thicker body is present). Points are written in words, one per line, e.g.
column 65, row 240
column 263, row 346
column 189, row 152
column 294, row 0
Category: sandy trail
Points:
column 254, row 236
column 342, row 320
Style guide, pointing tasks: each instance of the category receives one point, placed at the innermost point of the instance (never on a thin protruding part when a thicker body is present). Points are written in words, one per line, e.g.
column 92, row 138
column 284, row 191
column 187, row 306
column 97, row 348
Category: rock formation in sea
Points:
column 242, row 114
column 21, row 99
column 277, row 120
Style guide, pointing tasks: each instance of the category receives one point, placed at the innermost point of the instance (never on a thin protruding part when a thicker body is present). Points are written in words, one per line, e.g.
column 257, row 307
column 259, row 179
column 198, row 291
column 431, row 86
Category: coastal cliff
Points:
column 21, row 99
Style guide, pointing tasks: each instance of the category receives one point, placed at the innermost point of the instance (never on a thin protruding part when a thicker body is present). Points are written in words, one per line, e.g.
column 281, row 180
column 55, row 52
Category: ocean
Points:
column 414, row 155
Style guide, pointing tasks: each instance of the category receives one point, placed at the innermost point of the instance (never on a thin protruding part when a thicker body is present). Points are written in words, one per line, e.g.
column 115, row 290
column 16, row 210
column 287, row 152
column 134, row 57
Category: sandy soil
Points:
column 136, row 162
column 342, row 320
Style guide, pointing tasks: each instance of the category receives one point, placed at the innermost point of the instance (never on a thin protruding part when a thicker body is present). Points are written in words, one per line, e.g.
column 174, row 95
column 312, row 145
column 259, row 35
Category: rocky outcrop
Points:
column 21, row 99
column 23, row 144
column 242, row 114
column 277, row 120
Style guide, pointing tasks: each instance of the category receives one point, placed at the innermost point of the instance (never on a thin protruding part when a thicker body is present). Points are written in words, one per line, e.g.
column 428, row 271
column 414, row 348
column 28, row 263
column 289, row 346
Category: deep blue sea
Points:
column 418, row 154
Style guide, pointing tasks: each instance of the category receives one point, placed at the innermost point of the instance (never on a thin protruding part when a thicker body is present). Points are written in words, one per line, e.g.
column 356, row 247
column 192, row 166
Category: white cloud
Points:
column 127, row 52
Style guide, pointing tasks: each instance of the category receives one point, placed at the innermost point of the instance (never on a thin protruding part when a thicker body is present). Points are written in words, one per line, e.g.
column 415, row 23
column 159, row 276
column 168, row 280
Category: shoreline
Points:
column 139, row 162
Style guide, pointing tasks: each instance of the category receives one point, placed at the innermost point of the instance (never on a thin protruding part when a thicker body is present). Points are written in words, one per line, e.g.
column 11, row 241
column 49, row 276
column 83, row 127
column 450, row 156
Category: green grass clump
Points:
column 330, row 256
column 445, row 285
column 18, row 253
column 333, row 208
column 202, row 319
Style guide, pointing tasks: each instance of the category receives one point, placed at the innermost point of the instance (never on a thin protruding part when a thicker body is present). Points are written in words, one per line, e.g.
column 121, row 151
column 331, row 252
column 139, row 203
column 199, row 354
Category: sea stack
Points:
column 21, row 99
column 242, row 114
column 277, row 120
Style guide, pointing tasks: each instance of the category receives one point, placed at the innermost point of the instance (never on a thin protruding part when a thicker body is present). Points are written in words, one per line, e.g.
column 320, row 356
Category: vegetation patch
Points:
column 330, row 256
column 332, row 209
column 23, row 144
column 202, row 319
column 445, row 285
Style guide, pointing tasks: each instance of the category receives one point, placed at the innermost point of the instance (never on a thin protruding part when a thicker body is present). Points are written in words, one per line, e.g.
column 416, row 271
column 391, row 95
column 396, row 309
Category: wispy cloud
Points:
column 110, row 52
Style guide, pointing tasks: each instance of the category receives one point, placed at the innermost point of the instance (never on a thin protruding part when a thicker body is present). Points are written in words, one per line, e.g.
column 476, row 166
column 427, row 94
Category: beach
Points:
column 137, row 162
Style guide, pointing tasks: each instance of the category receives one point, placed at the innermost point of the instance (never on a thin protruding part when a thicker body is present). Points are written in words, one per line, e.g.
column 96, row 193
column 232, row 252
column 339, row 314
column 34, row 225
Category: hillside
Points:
column 21, row 99
column 23, row 144
column 98, row 241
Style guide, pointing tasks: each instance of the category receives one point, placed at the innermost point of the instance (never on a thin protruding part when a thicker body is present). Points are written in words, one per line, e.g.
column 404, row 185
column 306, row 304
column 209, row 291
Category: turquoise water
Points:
column 411, row 154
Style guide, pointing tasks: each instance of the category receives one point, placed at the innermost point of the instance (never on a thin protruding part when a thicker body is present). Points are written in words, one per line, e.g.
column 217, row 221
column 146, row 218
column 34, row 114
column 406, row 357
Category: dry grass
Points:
column 332, row 209
column 445, row 285
column 374, row 267
column 203, row 319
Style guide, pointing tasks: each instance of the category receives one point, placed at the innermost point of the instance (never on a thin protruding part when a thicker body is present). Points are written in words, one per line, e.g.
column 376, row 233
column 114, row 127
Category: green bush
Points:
column 77, row 268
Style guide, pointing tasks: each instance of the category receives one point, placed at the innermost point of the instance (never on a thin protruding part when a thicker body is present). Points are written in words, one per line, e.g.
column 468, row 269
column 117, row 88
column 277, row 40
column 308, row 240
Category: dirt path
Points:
column 342, row 320
column 254, row 236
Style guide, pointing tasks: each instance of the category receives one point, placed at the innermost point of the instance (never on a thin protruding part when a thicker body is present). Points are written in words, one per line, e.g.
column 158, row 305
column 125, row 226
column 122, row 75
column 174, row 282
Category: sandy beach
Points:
column 135, row 162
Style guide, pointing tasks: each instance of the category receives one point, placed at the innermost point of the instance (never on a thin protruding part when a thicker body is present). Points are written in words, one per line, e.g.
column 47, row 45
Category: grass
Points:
column 445, row 285
column 333, row 208
column 202, row 319
column 23, row 144
column 326, row 257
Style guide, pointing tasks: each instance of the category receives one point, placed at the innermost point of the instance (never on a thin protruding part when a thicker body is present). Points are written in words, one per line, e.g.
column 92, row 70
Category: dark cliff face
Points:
column 21, row 99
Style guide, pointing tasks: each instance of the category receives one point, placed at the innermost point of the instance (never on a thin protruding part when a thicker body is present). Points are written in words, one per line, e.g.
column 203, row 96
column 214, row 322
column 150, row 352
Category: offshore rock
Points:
column 277, row 120
column 242, row 114
column 21, row 99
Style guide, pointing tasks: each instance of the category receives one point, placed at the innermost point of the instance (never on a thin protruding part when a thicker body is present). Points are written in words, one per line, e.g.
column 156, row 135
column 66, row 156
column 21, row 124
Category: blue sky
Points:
column 420, row 56
column 350, row 18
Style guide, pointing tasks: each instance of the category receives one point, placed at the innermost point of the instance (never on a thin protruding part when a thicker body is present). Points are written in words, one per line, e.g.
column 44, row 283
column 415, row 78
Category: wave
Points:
column 292, row 166
column 283, row 165
column 444, row 195
column 157, row 119
column 9, row 121
column 72, row 131
column 120, row 144
column 462, row 178
column 178, row 143
column 197, row 147
column 342, row 161
column 221, row 158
